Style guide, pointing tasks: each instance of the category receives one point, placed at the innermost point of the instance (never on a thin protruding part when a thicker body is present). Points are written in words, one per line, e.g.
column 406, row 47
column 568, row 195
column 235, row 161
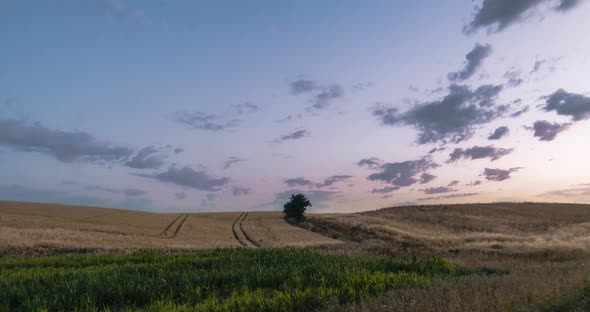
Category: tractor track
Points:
column 179, row 222
column 242, row 236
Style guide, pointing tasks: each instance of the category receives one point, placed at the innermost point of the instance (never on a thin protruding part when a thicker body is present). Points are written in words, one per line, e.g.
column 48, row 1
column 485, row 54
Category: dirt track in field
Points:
column 174, row 227
column 241, row 235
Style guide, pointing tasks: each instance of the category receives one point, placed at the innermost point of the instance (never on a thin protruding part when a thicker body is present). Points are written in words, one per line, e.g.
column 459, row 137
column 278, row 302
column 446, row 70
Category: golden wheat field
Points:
column 52, row 226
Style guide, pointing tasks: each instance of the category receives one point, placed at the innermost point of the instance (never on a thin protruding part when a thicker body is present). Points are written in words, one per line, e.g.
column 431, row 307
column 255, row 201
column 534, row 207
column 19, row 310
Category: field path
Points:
column 241, row 235
column 174, row 227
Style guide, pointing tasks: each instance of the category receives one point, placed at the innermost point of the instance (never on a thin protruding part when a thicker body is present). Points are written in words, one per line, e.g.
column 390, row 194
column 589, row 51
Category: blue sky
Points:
column 228, row 105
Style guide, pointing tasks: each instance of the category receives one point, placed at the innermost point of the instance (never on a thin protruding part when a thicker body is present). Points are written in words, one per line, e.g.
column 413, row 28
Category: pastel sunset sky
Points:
column 234, row 105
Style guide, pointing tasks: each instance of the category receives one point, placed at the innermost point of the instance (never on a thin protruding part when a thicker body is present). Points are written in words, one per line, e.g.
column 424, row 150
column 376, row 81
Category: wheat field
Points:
column 31, row 226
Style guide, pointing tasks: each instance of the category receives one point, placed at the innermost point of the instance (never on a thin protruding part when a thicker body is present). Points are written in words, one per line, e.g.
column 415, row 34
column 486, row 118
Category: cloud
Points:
column 514, row 79
column 582, row 191
column 178, row 150
column 425, row 178
column 180, row 195
column 298, row 182
column 296, row 135
column 453, row 183
column 496, row 15
column 333, row 179
column 479, row 152
column 403, row 173
column 448, row 196
column 385, row 190
column 451, row 119
column 204, row 121
column 300, row 86
column 327, row 182
column 437, row 190
column 146, row 158
column 573, row 105
column 239, row 191
column 566, row 5
column 494, row 174
column 519, row 112
column 475, row 183
column 322, row 99
column 547, row 131
column 231, row 161
column 370, row 162
column 474, row 58
column 125, row 191
column 188, row 177
column 245, row 108
column 66, row 146
column 499, row 133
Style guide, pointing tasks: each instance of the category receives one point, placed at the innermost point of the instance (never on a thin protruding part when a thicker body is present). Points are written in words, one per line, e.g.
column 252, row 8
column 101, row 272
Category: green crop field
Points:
column 216, row 280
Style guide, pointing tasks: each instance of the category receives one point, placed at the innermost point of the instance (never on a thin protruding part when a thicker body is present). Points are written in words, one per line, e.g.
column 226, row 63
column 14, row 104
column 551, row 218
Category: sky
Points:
column 221, row 105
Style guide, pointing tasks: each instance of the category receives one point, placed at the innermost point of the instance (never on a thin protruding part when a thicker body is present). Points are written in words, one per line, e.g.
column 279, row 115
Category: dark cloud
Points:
column 451, row 119
column 239, row 191
column 453, row 183
column 188, row 177
column 519, row 112
column 147, row 158
column 499, row 133
column 448, row 196
column 438, row 190
column 573, row 105
column 494, row 174
column 475, row 183
column 514, row 79
column 204, row 121
column 298, row 182
column 436, row 149
column 426, row 177
column 327, row 182
column 232, row 160
column 125, row 191
column 370, row 162
column 68, row 182
column 296, row 135
column 565, row 5
column 66, row 146
column 403, row 173
column 479, row 152
column 180, row 195
column 333, row 179
column 385, row 190
column 474, row 59
column 322, row 99
column 547, row 131
column 496, row 15
column 300, row 86
column 245, row 108
column 178, row 150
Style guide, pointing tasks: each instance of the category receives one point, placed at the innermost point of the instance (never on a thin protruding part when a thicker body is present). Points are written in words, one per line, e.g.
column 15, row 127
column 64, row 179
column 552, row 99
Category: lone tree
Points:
column 296, row 206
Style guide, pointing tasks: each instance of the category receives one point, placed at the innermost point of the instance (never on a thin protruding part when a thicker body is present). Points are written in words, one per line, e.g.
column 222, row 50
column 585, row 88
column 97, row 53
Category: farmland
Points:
column 476, row 257
column 30, row 226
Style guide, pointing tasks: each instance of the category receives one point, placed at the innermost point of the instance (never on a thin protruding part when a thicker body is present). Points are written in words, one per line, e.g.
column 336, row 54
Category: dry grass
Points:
column 544, row 247
column 269, row 229
column 30, row 226
column 508, row 228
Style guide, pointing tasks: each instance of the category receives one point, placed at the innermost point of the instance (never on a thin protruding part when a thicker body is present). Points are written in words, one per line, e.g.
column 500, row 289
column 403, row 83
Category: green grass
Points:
column 217, row 280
